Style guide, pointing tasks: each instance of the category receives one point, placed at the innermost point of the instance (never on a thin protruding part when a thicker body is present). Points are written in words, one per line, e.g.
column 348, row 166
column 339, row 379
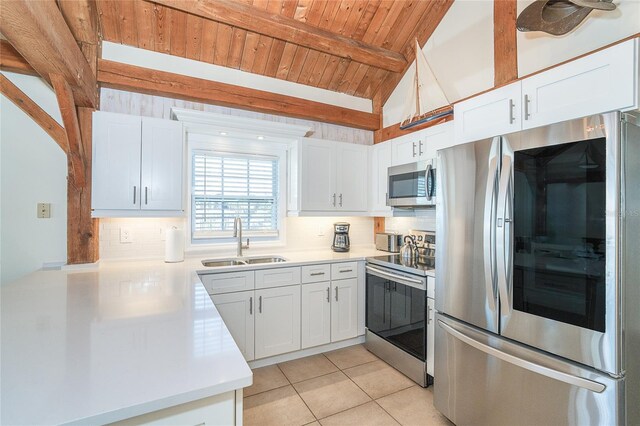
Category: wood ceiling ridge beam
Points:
column 144, row 80
column 256, row 20
column 64, row 94
column 40, row 34
column 29, row 107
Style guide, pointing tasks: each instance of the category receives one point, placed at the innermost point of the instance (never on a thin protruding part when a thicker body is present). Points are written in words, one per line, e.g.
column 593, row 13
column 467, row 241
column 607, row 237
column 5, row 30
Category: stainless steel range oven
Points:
column 398, row 313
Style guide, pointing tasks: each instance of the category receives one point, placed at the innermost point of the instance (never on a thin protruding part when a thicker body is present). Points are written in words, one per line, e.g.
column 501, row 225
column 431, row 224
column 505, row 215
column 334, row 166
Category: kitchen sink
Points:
column 266, row 259
column 217, row 263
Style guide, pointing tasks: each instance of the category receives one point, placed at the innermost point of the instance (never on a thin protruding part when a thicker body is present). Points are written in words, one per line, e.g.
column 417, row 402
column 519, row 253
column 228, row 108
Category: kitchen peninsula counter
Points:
column 121, row 339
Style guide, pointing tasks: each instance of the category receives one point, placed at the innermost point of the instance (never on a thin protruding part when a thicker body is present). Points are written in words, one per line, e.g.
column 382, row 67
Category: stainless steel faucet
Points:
column 237, row 233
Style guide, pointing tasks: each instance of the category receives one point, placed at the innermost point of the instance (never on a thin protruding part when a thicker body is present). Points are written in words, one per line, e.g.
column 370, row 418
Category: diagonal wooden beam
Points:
column 429, row 23
column 505, row 48
column 250, row 18
column 11, row 60
column 70, row 120
column 39, row 33
column 44, row 120
column 144, row 80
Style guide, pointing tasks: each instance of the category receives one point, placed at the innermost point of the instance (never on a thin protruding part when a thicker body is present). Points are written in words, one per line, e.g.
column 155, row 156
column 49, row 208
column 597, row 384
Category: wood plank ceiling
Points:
column 388, row 24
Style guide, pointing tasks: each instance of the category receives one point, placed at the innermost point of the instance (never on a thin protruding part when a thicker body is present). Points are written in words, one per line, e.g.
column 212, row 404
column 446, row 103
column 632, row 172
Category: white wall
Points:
column 460, row 53
column 538, row 50
column 160, row 61
column 33, row 169
column 302, row 233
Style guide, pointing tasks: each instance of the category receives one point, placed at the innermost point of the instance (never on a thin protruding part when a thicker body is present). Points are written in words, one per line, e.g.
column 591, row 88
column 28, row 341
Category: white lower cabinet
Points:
column 344, row 309
column 316, row 314
column 277, row 324
column 237, row 312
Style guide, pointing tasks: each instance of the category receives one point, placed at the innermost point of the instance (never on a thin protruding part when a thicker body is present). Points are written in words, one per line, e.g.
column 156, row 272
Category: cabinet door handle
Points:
column 334, row 199
column 512, row 117
column 315, row 274
column 340, row 200
column 260, row 304
column 414, row 149
column 526, row 107
column 328, row 294
column 420, row 148
column 336, row 293
column 134, row 194
column 146, row 192
column 251, row 306
column 429, row 319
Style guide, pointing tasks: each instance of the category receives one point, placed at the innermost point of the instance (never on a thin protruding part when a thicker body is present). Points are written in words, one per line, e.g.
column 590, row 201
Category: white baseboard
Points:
column 305, row 352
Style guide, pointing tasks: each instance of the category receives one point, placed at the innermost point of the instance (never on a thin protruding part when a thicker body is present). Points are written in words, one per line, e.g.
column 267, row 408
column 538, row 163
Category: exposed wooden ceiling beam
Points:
column 505, row 48
column 11, row 60
column 44, row 120
column 82, row 18
column 259, row 21
column 40, row 34
column 70, row 120
column 143, row 80
column 428, row 25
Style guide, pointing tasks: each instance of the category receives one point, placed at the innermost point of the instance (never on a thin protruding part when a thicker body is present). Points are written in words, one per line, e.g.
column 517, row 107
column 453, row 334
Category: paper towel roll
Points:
column 174, row 245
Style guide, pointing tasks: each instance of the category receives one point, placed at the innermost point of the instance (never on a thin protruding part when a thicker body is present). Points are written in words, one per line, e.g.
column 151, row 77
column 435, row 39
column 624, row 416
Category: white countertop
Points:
column 119, row 340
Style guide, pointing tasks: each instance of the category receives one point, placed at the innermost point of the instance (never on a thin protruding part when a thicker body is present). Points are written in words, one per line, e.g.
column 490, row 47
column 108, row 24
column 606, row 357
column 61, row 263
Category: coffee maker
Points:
column 340, row 237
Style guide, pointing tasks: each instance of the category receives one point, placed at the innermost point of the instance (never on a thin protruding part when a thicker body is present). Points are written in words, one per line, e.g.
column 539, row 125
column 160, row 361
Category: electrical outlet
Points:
column 126, row 236
column 44, row 210
column 320, row 232
column 163, row 234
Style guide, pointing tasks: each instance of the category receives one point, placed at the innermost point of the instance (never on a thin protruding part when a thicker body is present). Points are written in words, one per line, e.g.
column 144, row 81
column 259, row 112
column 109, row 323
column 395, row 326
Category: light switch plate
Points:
column 44, row 210
column 126, row 236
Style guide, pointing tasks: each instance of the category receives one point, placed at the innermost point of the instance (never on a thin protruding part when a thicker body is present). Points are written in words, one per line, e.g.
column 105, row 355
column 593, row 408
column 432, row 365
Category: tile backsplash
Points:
column 147, row 235
column 424, row 220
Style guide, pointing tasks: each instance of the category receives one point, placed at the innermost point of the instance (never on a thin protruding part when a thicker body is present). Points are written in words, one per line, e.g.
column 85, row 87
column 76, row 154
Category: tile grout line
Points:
column 298, row 393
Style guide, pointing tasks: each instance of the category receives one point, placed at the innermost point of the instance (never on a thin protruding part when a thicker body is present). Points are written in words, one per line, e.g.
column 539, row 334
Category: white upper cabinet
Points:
column 421, row 145
column 380, row 161
column 161, row 182
column 494, row 113
column 318, row 175
column 328, row 178
column 351, row 182
column 116, row 150
column 601, row 82
column 137, row 166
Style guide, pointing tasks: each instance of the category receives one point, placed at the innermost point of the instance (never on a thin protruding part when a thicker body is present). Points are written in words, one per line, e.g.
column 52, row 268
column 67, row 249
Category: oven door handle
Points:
column 415, row 283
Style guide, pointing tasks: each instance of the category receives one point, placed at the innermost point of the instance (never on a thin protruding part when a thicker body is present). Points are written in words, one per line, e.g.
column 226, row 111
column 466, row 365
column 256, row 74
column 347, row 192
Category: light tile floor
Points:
column 350, row 386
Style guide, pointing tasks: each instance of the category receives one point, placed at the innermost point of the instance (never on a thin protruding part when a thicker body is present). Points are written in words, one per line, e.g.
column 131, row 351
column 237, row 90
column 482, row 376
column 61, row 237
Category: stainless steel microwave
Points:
column 412, row 185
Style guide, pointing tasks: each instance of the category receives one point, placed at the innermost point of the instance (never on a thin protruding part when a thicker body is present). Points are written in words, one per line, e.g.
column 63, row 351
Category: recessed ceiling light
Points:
column 260, row 137
column 223, row 133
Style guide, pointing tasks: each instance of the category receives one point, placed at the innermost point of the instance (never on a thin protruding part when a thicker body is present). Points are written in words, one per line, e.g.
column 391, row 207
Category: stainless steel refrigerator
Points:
column 538, row 276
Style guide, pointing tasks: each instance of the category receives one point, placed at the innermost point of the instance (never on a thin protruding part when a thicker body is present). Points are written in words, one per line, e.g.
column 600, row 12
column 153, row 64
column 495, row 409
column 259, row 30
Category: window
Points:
column 227, row 185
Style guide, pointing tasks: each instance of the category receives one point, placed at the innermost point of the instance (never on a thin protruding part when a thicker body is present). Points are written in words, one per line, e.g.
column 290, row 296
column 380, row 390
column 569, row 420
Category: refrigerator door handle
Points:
column 523, row 363
column 503, row 234
column 489, row 237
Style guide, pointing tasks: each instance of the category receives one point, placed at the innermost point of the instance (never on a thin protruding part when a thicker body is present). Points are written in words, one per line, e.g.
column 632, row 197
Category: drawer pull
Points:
column 315, row 274
column 345, row 270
